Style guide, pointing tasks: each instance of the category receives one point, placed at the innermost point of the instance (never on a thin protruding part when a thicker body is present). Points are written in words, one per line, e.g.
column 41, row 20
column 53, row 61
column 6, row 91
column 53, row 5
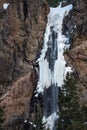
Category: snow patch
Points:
column 31, row 123
column 25, row 121
column 5, row 6
column 68, row 70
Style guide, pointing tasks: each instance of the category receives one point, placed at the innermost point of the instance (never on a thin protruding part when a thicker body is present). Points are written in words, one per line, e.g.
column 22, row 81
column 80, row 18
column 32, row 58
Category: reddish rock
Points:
column 76, row 24
column 16, row 99
column 22, row 27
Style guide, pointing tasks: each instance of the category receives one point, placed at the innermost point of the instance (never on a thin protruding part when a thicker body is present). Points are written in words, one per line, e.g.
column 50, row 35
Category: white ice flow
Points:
column 46, row 77
column 5, row 5
column 50, row 121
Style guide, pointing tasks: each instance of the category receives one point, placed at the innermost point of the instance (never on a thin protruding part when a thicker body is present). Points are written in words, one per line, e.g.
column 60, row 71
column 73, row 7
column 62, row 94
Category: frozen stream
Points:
column 52, row 65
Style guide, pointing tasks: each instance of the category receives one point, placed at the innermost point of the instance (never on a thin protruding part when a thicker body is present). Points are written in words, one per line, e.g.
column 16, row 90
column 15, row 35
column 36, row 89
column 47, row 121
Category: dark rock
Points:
column 6, row 68
column 76, row 24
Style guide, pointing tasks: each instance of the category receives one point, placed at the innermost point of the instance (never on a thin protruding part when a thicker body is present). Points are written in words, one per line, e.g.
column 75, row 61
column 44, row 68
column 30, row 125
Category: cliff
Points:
column 76, row 57
column 22, row 27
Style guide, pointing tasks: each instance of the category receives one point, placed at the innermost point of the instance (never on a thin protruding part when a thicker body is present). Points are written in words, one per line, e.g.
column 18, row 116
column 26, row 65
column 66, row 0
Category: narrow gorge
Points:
column 43, row 69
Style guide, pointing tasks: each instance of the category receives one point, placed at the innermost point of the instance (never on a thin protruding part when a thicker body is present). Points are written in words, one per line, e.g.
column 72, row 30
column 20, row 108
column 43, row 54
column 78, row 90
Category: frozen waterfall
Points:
column 52, row 65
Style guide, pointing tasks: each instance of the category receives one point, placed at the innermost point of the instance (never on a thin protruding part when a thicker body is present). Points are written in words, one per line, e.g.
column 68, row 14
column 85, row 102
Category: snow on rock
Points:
column 25, row 121
column 68, row 70
column 31, row 123
column 5, row 5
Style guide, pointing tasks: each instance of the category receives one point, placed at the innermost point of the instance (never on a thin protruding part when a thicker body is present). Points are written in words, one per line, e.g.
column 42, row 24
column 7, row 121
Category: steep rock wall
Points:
column 76, row 24
column 22, row 27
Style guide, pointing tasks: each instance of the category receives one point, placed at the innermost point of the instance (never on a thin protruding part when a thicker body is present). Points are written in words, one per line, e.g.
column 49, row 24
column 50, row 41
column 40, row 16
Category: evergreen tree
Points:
column 53, row 3
column 38, row 123
column 70, row 114
column 39, row 115
column 1, row 117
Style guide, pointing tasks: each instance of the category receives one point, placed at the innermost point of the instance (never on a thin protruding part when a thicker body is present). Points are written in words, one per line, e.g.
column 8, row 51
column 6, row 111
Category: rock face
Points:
column 22, row 25
column 16, row 100
column 76, row 24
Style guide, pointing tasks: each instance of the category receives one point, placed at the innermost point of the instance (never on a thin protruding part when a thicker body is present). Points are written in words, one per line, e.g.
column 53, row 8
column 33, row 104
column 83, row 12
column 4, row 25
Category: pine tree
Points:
column 38, row 123
column 53, row 3
column 70, row 114
column 1, row 117
column 38, row 117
